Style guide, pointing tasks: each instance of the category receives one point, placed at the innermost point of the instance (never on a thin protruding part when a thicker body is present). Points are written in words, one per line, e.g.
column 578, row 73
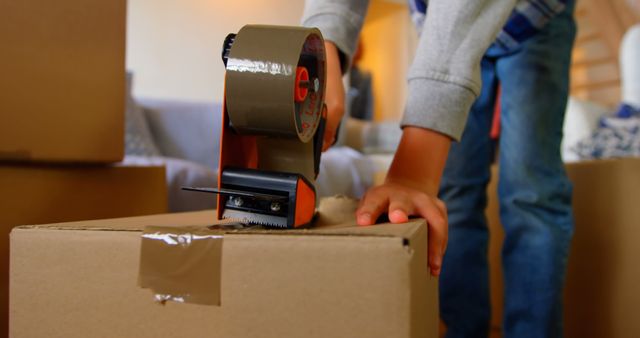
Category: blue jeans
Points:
column 534, row 192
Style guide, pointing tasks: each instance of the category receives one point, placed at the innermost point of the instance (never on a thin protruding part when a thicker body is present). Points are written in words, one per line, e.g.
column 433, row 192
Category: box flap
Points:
column 335, row 218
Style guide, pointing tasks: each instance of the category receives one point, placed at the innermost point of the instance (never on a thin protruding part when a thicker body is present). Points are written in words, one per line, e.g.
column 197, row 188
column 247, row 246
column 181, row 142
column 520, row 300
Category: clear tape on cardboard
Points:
column 181, row 264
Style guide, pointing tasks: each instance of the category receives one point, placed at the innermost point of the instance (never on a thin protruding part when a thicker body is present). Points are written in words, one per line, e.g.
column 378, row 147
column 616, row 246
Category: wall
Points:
column 389, row 39
column 173, row 47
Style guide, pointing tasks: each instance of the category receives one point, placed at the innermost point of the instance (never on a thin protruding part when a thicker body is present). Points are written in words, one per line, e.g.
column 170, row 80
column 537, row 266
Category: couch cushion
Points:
column 186, row 130
column 137, row 138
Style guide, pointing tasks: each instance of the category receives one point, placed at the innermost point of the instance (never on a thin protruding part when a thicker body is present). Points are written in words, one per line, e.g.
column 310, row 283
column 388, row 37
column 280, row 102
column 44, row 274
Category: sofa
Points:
column 184, row 137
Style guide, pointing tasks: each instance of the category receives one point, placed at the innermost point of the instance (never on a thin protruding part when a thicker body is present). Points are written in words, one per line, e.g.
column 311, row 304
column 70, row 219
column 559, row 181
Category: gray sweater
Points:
column 444, row 78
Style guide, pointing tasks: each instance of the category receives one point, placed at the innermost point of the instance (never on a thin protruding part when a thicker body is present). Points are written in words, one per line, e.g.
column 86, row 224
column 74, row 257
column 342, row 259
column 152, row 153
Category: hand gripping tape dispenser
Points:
column 272, row 126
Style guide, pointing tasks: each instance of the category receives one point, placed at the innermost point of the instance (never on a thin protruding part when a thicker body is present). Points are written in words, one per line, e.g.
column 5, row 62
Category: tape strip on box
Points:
column 181, row 264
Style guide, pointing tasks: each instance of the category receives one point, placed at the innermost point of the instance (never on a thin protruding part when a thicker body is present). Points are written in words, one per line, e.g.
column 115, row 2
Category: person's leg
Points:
column 464, row 281
column 534, row 192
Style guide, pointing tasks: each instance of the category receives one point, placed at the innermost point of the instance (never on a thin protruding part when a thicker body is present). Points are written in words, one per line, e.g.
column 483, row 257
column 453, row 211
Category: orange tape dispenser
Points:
column 272, row 126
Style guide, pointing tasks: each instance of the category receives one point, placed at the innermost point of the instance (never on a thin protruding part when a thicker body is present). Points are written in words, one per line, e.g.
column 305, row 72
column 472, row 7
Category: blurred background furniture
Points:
column 183, row 136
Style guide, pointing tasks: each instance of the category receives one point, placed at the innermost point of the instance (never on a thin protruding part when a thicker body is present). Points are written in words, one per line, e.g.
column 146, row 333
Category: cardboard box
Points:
column 44, row 194
column 79, row 280
column 602, row 298
column 62, row 193
column 62, row 82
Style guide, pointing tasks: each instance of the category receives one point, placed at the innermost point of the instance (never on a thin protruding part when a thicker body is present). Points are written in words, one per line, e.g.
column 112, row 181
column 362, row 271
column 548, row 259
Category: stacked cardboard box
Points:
column 601, row 293
column 335, row 280
column 63, row 80
column 57, row 193
column 62, row 102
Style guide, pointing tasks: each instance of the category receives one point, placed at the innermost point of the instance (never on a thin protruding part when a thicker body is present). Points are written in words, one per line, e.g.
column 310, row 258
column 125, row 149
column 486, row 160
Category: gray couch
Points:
column 184, row 136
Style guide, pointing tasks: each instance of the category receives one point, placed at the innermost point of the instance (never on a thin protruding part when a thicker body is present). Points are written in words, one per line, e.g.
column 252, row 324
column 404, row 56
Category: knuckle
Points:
column 377, row 190
column 440, row 224
column 400, row 198
column 422, row 199
column 370, row 203
column 441, row 205
column 439, row 220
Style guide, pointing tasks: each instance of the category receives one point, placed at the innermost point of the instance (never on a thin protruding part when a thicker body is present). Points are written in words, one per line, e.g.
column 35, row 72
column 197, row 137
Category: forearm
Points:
column 334, row 94
column 444, row 78
column 411, row 188
column 420, row 159
column 340, row 22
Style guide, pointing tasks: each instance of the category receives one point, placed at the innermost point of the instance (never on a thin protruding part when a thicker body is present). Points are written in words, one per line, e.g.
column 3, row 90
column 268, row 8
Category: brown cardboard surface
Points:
column 602, row 297
column 45, row 194
column 334, row 218
column 41, row 194
column 62, row 88
column 332, row 281
column 601, row 293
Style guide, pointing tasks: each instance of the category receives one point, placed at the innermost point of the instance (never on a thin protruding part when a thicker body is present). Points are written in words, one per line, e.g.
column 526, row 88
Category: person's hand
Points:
column 333, row 96
column 401, row 201
column 410, row 189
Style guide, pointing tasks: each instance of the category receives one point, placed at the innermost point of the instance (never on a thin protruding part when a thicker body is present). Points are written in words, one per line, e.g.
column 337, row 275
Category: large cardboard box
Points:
column 45, row 194
column 79, row 280
column 61, row 193
column 62, row 80
column 602, row 295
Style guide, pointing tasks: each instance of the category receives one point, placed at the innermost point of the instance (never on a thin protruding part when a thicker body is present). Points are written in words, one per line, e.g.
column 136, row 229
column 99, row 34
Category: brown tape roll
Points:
column 261, row 81
column 260, row 93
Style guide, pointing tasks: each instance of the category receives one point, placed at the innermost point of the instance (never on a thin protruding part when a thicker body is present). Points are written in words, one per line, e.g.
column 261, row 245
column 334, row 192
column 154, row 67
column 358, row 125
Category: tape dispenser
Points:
column 272, row 126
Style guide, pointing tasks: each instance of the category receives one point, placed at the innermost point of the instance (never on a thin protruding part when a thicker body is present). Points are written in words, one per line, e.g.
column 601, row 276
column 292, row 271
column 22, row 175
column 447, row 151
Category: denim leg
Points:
column 534, row 192
column 464, row 281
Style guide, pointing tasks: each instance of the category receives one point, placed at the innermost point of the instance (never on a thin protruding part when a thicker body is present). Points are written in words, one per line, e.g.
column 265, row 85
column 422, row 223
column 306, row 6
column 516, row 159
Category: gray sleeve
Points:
column 339, row 21
column 444, row 78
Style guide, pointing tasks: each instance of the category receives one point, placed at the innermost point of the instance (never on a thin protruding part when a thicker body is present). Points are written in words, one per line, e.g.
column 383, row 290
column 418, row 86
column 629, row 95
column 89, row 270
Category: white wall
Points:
column 173, row 46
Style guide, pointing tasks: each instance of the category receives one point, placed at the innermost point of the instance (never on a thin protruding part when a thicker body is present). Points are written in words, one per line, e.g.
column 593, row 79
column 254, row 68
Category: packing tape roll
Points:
column 275, row 80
